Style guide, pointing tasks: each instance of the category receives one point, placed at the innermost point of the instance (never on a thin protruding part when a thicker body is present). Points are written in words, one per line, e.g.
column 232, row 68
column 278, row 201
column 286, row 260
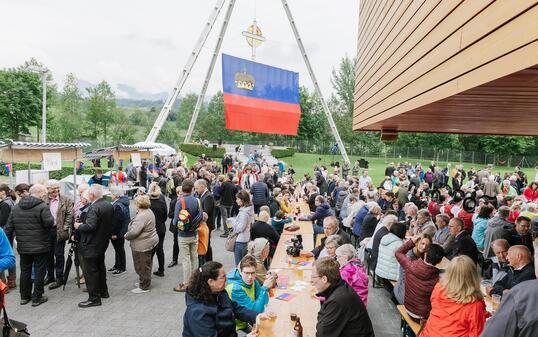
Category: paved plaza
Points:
column 158, row 313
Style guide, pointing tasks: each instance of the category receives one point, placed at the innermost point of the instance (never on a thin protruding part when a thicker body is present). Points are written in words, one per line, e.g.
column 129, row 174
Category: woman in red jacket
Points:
column 458, row 308
column 531, row 192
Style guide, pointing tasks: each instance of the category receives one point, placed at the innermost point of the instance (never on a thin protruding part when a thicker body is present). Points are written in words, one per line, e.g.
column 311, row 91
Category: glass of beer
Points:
column 495, row 301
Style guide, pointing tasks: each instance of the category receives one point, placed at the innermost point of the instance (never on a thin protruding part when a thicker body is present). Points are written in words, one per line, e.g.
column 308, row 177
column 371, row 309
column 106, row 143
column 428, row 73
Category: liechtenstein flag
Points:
column 260, row 98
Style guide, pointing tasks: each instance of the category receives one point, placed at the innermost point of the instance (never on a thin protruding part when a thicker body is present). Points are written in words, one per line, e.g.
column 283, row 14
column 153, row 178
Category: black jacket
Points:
column 6, row 206
column 227, row 194
column 464, row 245
column 513, row 278
column 122, row 217
column 335, row 319
column 31, row 221
column 274, row 206
column 214, row 319
column 368, row 226
column 208, row 205
column 260, row 193
column 96, row 231
column 262, row 229
column 513, row 238
column 158, row 207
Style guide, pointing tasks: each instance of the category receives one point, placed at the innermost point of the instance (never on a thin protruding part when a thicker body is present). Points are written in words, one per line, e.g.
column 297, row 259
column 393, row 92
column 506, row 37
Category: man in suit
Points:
column 208, row 206
column 463, row 243
column 60, row 208
column 94, row 237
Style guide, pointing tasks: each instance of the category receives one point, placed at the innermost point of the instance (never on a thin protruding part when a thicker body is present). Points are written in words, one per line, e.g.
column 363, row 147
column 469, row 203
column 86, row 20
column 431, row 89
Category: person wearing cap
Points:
column 520, row 233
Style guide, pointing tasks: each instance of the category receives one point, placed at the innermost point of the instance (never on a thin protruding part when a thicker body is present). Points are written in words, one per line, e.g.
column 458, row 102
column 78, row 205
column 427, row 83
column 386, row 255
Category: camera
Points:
column 296, row 247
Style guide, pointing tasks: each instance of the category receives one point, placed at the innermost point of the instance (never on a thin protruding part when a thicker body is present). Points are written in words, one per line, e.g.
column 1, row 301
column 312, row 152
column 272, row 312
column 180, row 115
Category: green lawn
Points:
column 303, row 162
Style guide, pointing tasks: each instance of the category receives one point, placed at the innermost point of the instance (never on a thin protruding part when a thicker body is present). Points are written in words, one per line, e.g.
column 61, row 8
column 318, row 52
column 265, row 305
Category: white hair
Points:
column 116, row 191
column 389, row 219
column 82, row 187
column 96, row 190
column 347, row 250
column 53, row 183
column 37, row 190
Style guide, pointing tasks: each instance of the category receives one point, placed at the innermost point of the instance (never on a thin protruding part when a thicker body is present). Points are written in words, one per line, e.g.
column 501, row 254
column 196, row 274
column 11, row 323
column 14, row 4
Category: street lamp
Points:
column 43, row 72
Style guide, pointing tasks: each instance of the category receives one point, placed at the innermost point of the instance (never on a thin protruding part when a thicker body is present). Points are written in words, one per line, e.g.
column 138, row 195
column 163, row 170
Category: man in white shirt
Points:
column 364, row 180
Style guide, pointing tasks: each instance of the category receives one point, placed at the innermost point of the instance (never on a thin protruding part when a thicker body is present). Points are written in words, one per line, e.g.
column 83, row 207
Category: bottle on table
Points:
column 298, row 328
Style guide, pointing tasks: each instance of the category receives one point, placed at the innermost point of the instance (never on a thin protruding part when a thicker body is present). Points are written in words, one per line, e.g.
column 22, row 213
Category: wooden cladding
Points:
column 442, row 66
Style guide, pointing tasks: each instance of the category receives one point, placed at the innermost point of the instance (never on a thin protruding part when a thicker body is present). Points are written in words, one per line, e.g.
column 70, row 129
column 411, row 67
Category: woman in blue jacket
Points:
column 210, row 312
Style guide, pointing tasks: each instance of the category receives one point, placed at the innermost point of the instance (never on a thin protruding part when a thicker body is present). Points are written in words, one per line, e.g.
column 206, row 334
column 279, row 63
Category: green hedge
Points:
column 64, row 172
column 281, row 153
column 199, row 149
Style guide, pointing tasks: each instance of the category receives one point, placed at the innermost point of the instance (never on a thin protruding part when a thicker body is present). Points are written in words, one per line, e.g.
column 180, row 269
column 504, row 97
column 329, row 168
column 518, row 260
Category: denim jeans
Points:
column 240, row 249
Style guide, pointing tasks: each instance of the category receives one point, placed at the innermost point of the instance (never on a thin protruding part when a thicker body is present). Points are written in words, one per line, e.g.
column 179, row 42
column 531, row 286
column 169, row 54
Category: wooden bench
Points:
column 407, row 321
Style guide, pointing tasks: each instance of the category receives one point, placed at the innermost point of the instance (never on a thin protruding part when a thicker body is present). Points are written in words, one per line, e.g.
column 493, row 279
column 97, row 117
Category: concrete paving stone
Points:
column 157, row 313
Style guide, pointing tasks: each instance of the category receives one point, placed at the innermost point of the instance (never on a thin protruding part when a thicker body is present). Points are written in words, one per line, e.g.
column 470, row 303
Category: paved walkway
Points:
column 158, row 313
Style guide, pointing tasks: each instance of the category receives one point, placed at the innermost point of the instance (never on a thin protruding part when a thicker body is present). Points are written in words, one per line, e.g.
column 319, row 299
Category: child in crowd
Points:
column 279, row 221
column 203, row 239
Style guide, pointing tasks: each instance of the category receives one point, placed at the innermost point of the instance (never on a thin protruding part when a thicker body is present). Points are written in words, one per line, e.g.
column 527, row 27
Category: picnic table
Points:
column 294, row 293
column 281, row 260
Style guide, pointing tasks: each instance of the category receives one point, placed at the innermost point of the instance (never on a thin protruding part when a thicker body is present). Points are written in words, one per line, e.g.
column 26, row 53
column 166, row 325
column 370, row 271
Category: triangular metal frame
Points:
column 152, row 136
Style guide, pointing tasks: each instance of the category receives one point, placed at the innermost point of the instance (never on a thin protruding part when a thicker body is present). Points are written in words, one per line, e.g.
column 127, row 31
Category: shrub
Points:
column 199, row 149
column 281, row 153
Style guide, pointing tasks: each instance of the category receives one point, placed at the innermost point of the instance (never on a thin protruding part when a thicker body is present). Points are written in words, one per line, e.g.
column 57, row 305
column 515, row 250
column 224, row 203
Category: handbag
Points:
column 11, row 328
column 230, row 241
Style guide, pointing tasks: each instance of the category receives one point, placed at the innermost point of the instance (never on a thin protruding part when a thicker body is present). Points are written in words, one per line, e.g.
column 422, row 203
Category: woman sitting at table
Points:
column 416, row 253
column 243, row 288
column 259, row 248
column 458, row 307
column 285, row 203
column 387, row 267
column 331, row 244
column 210, row 312
column 352, row 270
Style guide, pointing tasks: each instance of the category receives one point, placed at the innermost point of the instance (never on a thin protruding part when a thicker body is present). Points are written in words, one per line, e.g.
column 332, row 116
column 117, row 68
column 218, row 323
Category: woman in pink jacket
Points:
column 353, row 271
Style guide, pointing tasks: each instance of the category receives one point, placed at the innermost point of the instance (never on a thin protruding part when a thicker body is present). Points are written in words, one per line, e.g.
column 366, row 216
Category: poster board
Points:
column 52, row 161
column 135, row 157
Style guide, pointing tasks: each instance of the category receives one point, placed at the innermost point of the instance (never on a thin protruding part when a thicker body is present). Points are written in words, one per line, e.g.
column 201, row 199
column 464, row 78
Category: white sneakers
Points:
column 137, row 290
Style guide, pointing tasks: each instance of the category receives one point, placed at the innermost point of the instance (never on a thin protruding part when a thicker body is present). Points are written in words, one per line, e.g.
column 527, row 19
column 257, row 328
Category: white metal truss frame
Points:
column 190, row 63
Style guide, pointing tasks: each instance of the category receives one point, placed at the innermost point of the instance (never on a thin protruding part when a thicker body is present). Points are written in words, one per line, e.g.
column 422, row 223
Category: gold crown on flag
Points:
column 244, row 80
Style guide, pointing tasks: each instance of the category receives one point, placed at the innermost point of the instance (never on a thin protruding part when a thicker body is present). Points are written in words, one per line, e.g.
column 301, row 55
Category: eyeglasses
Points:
column 249, row 273
column 314, row 276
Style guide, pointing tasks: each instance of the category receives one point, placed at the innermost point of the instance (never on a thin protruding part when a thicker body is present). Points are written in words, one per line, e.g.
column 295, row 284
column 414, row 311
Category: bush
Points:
column 64, row 172
column 281, row 153
column 199, row 149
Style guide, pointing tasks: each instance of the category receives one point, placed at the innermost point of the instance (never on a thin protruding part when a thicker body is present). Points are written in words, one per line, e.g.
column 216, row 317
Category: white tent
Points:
column 157, row 148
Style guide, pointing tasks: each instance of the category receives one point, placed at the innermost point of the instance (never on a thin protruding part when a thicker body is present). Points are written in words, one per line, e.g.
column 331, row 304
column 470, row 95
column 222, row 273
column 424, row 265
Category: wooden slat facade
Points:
column 453, row 66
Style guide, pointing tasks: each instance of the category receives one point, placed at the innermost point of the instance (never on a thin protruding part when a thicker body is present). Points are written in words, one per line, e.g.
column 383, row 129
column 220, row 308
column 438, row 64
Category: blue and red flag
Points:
column 8, row 168
column 260, row 98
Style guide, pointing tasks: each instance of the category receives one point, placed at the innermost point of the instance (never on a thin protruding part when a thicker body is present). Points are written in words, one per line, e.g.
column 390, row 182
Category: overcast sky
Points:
column 146, row 43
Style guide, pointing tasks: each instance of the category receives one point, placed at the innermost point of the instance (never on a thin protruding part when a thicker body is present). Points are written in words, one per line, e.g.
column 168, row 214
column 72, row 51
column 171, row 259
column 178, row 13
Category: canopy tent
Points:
column 121, row 152
column 14, row 152
column 158, row 148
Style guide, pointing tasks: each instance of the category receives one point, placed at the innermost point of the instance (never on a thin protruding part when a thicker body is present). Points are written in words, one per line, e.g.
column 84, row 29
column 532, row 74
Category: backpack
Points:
column 126, row 217
column 185, row 221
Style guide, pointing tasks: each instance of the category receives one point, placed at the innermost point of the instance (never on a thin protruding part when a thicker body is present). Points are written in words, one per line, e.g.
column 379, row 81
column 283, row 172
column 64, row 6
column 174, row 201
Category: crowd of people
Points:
column 399, row 230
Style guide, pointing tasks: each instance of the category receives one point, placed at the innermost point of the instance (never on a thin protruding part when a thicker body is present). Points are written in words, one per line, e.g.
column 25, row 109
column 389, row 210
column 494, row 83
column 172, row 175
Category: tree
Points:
column 186, row 109
column 343, row 81
column 67, row 123
column 506, row 144
column 101, row 104
column 20, row 101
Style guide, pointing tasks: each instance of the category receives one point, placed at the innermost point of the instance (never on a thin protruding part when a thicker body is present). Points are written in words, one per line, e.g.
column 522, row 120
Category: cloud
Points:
column 146, row 44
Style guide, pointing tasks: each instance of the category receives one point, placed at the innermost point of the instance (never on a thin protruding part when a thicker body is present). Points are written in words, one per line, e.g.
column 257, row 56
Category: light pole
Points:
column 43, row 72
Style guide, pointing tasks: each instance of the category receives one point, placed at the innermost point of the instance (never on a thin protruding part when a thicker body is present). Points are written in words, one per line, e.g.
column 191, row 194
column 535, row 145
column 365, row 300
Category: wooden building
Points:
column 452, row 66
